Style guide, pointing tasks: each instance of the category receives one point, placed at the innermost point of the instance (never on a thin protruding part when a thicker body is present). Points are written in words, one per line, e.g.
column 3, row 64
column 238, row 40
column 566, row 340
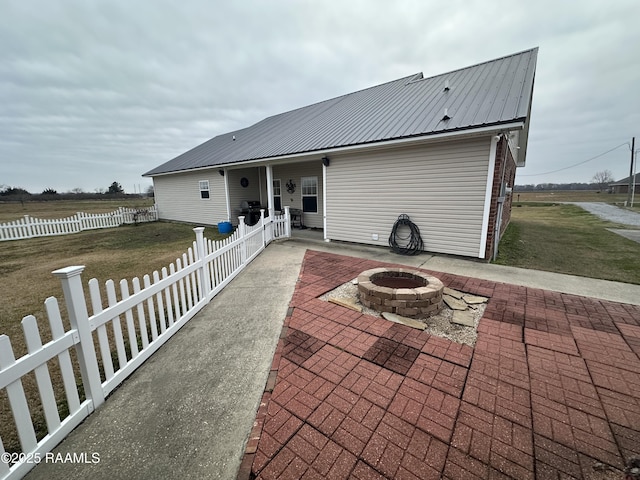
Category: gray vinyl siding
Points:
column 295, row 172
column 238, row 193
column 440, row 186
column 178, row 197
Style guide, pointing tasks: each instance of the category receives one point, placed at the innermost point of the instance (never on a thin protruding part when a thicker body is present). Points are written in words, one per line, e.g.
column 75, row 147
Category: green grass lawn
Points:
column 569, row 196
column 115, row 253
column 566, row 239
column 552, row 196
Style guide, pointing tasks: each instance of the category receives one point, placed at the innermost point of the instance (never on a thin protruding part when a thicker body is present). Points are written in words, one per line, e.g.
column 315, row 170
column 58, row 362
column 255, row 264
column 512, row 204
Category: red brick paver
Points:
column 551, row 388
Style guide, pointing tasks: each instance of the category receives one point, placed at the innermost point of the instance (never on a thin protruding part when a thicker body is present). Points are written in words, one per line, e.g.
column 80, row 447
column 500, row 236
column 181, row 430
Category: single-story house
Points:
column 622, row 186
column 443, row 150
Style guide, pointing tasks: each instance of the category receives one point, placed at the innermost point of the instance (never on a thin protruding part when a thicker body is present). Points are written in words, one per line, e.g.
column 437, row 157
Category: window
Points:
column 277, row 195
column 310, row 194
column 204, row 188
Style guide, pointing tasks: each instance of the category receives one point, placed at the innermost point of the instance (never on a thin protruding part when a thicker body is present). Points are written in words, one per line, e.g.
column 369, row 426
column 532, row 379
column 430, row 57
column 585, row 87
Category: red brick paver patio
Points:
column 551, row 388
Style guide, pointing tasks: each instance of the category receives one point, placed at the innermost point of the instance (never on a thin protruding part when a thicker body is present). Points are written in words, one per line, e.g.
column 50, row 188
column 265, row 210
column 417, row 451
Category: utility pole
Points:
column 631, row 179
column 633, row 190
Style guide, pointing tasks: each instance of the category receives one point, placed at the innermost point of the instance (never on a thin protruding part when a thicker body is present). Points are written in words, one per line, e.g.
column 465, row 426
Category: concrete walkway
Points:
column 611, row 213
column 558, row 282
column 188, row 411
column 630, row 234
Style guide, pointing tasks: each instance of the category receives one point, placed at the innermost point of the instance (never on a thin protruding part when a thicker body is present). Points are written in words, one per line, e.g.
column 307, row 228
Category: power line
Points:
column 575, row 165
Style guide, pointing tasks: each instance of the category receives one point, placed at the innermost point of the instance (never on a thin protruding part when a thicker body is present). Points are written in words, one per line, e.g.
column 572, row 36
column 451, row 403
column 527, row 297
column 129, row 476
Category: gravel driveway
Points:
column 611, row 213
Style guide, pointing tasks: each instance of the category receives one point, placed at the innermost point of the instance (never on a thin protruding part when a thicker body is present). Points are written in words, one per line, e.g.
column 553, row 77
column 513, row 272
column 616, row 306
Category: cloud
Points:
column 99, row 91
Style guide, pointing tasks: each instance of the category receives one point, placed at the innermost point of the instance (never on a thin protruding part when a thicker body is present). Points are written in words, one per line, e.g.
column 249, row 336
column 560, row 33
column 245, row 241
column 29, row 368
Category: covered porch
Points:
column 299, row 185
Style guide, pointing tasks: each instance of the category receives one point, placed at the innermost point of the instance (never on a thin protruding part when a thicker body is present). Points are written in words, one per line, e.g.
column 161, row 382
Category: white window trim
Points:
column 202, row 183
column 302, row 195
column 280, row 189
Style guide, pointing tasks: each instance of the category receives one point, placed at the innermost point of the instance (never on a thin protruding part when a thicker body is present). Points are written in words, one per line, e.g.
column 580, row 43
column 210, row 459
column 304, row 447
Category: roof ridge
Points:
column 534, row 49
column 408, row 79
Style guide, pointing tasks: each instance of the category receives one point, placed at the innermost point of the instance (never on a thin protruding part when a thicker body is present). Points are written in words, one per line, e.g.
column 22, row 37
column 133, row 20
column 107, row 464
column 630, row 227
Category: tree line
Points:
column 559, row 186
column 599, row 181
column 115, row 190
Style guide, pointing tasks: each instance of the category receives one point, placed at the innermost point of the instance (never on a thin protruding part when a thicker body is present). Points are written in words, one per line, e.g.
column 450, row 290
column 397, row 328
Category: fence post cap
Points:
column 68, row 272
column 198, row 229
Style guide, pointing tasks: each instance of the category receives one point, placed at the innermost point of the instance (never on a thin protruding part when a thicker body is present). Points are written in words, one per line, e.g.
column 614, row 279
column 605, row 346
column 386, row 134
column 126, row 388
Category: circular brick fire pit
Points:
column 405, row 292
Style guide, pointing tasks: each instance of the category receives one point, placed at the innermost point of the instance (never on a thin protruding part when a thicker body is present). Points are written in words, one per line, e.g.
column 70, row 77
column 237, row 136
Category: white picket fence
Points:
column 129, row 330
column 29, row 227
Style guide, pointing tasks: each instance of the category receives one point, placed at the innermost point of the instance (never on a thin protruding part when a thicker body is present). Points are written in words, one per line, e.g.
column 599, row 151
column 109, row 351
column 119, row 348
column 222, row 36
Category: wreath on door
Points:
column 291, row 187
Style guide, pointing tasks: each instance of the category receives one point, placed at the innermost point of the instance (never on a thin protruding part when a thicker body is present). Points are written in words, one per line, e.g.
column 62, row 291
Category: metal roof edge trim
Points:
column 465, row 133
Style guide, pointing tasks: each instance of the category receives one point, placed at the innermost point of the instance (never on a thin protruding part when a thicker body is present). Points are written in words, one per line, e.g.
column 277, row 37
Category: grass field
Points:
column 574, row 196
column 566, row 239
column 25, row 269
column 10, row 211
column 569, row 196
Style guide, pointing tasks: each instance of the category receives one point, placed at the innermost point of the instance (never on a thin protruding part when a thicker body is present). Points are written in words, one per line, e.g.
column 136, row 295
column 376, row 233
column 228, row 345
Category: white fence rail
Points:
column 29, row 227
column 117, row 337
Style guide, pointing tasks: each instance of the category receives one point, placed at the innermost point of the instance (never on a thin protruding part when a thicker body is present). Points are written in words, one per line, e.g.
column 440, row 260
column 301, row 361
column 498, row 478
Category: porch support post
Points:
column 226, row 193
column 287, row 222
column 324, row 202
column 270, row 192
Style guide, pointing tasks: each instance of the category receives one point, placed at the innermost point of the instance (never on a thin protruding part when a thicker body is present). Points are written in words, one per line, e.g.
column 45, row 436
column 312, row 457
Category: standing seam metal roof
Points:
column 490, row 93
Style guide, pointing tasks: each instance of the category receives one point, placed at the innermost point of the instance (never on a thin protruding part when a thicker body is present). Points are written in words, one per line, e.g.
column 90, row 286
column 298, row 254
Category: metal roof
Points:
column 626, row 180
column 490, row 93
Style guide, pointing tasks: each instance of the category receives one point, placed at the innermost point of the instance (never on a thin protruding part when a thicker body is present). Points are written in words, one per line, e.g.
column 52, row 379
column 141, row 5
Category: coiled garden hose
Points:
column 410, row 244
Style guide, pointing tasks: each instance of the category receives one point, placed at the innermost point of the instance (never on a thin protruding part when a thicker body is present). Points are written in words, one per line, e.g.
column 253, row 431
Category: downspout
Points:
column 226, row 193
column 270, row 191
column 484, row 233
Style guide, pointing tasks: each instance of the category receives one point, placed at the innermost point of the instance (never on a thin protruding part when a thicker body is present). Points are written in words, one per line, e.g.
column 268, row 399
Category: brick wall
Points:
column 506, row 165
column 510, row 179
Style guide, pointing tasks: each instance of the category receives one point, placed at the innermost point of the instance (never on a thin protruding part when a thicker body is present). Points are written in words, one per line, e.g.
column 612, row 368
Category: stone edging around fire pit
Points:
column 408, row 302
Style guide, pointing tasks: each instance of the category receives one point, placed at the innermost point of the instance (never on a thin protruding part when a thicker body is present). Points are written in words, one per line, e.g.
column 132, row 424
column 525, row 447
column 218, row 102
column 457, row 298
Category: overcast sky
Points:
column 98, row 91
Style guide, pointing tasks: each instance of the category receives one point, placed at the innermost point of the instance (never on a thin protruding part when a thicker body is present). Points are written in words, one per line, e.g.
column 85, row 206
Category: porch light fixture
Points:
column 326, row 161
column 221, row 172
